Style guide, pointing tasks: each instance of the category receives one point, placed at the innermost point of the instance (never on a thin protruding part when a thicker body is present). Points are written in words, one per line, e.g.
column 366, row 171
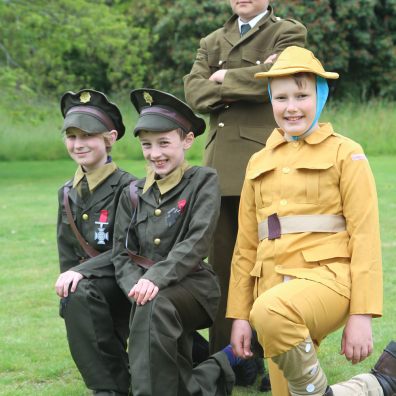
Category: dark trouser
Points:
column 96, row 317
column 220, row 256
column 160, row 345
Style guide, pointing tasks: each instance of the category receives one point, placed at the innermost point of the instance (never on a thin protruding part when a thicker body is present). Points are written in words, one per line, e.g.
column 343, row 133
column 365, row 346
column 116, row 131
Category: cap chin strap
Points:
column 322, row 92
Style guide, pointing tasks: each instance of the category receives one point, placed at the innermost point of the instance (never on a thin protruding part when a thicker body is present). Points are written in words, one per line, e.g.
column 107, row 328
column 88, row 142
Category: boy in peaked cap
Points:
column 94, row 308
column 308, row 254
column 160, row 245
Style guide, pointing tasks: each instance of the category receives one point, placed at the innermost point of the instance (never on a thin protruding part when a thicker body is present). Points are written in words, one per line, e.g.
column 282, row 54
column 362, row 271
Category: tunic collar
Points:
column 168, row 182
column 323, row 132
column 94, row 177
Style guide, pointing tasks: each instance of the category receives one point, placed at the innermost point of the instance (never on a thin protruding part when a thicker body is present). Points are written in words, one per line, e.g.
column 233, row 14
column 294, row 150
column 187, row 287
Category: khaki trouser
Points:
column 288, row 313
column 220, row 256
column 291, row 320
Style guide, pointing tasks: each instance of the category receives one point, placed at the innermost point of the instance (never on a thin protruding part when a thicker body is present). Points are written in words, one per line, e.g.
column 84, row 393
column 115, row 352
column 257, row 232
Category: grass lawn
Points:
column 34, row 357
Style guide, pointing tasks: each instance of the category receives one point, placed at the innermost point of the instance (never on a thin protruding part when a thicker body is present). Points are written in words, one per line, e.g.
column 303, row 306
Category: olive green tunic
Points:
column 173, row 229
column 96, row 314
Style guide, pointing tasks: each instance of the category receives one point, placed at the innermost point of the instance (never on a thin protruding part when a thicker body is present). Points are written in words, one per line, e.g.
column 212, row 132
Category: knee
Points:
column 266, row 317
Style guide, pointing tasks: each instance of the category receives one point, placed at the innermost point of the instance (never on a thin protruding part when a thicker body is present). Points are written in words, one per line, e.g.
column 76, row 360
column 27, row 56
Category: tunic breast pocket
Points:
column 140, row 225
column 253, row 56
column 214, row 61
column 265, row 187
column 308, row 182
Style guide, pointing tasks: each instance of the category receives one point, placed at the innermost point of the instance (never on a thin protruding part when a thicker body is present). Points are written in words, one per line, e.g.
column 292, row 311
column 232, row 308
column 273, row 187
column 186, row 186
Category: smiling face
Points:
column 294, row 103
column 88, row 150
column 248, row 9
column 164, row 151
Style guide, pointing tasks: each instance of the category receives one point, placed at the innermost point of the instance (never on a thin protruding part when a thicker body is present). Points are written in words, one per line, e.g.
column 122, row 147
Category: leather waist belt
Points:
column 273, row 227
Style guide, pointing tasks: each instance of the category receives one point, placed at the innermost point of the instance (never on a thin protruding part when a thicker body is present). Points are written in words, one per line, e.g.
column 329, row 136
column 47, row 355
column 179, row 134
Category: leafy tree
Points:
column 71, row 44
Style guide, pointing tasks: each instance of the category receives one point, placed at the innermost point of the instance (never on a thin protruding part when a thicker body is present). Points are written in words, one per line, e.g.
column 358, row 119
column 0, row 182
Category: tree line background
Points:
column 48, row 47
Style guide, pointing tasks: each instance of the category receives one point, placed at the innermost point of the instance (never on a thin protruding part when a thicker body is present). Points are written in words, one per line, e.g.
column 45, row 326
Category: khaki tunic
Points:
column 324, row 174
column 240, row 113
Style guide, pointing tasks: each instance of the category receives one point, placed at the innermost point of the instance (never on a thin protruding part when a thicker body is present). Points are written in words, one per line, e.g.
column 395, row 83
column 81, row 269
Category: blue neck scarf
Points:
column 322, row 92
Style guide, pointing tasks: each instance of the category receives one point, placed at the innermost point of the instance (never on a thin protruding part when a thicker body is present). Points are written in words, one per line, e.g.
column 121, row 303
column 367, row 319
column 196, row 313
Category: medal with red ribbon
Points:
column 101, row 235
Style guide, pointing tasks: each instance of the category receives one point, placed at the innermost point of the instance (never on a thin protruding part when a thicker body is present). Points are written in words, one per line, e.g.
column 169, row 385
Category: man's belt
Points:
column 273, row 227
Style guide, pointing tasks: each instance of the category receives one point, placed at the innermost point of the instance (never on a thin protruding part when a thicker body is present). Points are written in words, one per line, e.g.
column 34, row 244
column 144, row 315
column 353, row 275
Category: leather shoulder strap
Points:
column 83, row 243
column 133, row 193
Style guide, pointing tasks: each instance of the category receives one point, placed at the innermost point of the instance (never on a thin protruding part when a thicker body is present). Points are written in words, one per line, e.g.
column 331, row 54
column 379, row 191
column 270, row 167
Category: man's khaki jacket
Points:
column 240, row 113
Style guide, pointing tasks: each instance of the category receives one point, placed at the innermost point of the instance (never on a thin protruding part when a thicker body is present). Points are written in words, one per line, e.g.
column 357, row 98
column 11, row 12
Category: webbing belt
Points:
column 274, row 226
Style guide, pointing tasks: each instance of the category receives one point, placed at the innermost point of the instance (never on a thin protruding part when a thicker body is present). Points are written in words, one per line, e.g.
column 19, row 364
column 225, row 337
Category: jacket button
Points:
column 257, row 62
column 221, row 124
column 220, row 62
column 85, row 217
column 157, row 241
column 286, row 169
column 157, row 212
column 283, row 202
column 227, row 106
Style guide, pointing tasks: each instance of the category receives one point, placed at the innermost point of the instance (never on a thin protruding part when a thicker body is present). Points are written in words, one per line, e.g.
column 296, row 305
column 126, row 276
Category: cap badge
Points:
column 85, row 97
column 147, row 98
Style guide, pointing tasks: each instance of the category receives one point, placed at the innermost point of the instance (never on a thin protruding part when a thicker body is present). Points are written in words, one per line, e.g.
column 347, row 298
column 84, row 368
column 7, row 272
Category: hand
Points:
column 357, row 341
column 271, row 58
column 143, row 291
column 241, row 336
column 65, row 280
column 218, row 76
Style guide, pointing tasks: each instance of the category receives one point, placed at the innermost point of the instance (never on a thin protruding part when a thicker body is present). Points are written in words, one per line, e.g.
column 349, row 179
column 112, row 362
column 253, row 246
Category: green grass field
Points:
column 34, row 357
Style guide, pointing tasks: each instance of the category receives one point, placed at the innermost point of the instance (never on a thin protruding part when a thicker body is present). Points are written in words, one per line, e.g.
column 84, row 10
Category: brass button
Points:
column 221, row 124
column 227, row 106
column 283, row 202
column 157, row 241
column 85, row 216
column 220, row 62
column 157, row 212
column 286, row 169
column 257, row 62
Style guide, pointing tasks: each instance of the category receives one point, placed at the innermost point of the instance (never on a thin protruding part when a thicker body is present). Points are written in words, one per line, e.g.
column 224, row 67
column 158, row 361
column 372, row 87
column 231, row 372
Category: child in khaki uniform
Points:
column 93, row 306
column 308, row 248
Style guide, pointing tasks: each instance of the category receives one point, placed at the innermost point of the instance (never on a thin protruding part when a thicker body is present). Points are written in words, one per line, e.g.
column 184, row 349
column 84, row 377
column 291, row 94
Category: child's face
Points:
column 86, row 150
column 294, row 106
column 164, row 151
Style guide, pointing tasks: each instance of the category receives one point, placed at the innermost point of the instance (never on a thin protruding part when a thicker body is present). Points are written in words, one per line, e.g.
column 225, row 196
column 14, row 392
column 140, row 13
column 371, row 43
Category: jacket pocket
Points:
column 214, row 61
column 264, row 185
column 307, row 182
column 324, row 253
column 254, row 56
column 256, row 134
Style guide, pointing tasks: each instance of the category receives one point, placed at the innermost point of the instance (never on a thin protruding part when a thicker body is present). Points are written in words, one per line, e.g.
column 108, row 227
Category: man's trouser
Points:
column 96, row 317
column 220, row 256
column 160, row 347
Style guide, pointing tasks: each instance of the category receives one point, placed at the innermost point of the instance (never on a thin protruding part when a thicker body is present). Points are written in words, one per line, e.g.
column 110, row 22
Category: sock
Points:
column 234, row 360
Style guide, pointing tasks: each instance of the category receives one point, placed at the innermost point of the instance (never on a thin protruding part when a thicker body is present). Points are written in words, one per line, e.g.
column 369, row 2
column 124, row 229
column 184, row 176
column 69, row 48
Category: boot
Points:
column 329, row 392
column 385, row 370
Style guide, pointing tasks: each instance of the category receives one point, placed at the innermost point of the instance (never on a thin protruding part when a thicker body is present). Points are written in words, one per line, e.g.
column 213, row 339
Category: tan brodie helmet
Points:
column 293, row 60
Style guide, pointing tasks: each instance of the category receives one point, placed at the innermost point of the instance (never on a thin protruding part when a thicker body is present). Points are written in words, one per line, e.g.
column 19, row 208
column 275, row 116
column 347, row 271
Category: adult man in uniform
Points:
column 221, row 83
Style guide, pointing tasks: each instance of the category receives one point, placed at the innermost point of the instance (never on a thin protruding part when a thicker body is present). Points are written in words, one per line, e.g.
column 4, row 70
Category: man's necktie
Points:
column 245, row 28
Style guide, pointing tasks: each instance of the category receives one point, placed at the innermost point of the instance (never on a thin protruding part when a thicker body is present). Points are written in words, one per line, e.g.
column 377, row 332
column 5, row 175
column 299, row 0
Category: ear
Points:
column 188, row 140
column 112, row 137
